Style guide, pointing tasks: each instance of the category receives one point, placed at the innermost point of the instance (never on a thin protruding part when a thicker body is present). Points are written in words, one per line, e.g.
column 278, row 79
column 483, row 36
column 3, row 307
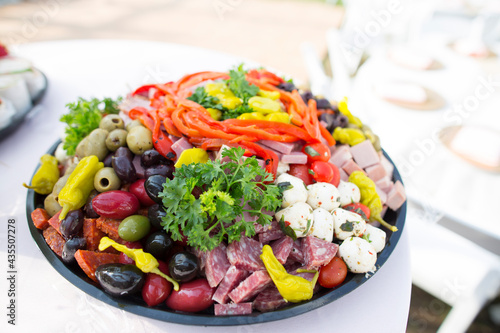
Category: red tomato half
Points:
column 322, row 171
column 333, row 273
column 358, row 208
column 316, row 152
column 192, row 296
column 336, row 175
column 301, row 171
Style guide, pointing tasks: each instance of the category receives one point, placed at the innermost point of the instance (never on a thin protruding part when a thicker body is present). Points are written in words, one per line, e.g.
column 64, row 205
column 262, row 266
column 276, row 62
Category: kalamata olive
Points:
column 70, row 247
column 108, row 160
column 183, row 266
column 306, row 96
column 154, row 186
column 152, row 157
column 72, row 224
column 341, row 121
column 116, row 138
column 134, row 227
column 139, row 139
column 156, row 289
column 193, row 296
column 106, row 179
column 115, row 204
column 88, row 209
column 124, row 152
column 155, row 215
column 119, row 279
column 111, row 122
column 124, row 168
column 158, row 244
column 139, row 169
column 323, row 103
column 137, row 188
column 329, row 119
column 166, row 170
column 287, row 86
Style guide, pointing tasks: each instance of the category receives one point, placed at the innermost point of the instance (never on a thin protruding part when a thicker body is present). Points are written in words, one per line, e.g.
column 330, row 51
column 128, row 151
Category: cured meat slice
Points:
column 296, row 254
column 271, row 235
column 245, row 254
column 55, row 222
column 201, row 255
column 233, row 309
column 217, row 265
column 281, row 248
column 40, row 218
column 250, row 287
column 110, row 228
column 317, row 252
column 269, row 299
column 89, row 261
column 233, row 277
column 54, row 240
column 92, row 234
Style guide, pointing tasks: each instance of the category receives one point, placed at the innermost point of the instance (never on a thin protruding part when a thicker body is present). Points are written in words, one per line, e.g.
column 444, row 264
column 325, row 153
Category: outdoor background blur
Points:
column 424, row 74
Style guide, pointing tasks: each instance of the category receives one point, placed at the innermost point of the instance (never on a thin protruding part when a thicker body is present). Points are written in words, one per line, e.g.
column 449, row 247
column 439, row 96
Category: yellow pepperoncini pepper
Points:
column 350, row 136
column 215, row 114
column 280, row 117
column 252, row 116
column 79, row 185
column 146, row 262
column 370, row 197
column 47, row 175
column 293, row 288
column 193, row 155
column 264, row 105
column 345, row 111
column 274, row 95
column 226, row 97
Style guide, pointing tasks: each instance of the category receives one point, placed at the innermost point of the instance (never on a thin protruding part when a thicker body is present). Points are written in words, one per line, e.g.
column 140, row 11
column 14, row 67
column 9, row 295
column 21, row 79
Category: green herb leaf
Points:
column 201, row 97
column 240, row 86
column 348, row 226
column 287, row 230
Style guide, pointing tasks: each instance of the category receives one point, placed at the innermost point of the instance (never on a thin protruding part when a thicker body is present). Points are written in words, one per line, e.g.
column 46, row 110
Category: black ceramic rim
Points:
column 18, row 118
column 136, row 305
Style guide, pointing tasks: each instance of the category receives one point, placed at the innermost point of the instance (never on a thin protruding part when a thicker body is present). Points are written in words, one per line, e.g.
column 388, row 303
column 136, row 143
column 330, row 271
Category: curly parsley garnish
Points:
column 231, row 189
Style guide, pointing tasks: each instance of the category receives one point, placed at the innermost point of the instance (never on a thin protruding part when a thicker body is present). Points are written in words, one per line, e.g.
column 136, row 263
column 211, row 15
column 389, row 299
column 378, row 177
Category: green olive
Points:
column 106, row 180
column 133, row 123
column 116, row 138
column 51, row 205
column 58, row 186
column 94, row 144
column 134, row 227
column 139, row 139
column 111, row 122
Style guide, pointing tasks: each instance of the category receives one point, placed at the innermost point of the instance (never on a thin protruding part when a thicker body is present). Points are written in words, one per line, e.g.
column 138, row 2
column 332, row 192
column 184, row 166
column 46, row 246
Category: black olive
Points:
column 166, row 170
column 152, row 157
column 158, row 244
column 287, row 86
column 155, row 215
column 70, row 248
column 183, row 266
column 71, row 224
column 154, row 186
column 120, row 279
column 329, row 119
column 323, row 103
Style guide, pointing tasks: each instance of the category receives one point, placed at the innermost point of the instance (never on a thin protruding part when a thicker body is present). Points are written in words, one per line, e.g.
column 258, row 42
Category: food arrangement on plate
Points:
column 21, row 86
column 223, row 193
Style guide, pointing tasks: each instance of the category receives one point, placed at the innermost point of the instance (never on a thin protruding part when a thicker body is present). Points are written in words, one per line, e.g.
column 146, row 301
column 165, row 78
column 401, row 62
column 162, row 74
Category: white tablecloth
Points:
column 45, row 301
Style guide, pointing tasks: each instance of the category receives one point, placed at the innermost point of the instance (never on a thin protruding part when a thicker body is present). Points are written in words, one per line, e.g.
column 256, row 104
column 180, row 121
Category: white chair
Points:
column 453, row 269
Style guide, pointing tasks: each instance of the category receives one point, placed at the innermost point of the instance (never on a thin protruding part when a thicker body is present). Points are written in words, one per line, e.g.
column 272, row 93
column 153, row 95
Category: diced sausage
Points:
column 40, row 218
column 180, row 145
column 385, row 184
column 294, row 158
column 364, row 154
column 397, row 196
column 376, row 172
column 341, row 155
column 350, row 166
column 296, row 254
column 281, row 248
column 92, row 234
column 245, row 254
column 343, row 175
column 54, row 240
column 381, row 194
column 110, row 228
column 233, row 309
column 217, row 265
column 282, row 147
column 318, row 252
column 89, row 261
column 268, row 236
column 388, row 166
column 250, row 287
column 233, row 278
column 269, row 299
column 55, row 222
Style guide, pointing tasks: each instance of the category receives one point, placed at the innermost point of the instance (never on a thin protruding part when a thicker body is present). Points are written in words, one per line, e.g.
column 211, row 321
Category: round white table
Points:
column 45, row 301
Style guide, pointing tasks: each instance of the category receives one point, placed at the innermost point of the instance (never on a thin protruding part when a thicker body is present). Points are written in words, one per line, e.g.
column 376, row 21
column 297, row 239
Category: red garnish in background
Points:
column 3, row 51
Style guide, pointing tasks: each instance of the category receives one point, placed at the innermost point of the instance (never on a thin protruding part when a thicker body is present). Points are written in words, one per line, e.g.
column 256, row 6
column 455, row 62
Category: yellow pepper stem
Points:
column 146, row 262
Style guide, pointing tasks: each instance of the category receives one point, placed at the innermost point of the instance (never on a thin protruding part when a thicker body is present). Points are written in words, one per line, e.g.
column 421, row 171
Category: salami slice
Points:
column 245, row 254
column 233, row 277
column 55, row 222
column 92, row 234
column 40, row 218
column 217, row 265
column 110, row 228
column 296, row 254
column 281, row 248
column 271, row 235
column 318, row 252
column 89, row 261
column 269, row 299
column 54, row 240
column 201, row 255
column 250, row 287
column 233, row 309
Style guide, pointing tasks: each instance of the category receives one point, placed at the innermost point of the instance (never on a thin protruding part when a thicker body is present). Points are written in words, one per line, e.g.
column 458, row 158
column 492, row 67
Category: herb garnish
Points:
column 231, row 189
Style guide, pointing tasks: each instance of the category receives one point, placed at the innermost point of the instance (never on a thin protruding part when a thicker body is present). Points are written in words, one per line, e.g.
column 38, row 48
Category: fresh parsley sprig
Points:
column 240, row 86
column 231, row 189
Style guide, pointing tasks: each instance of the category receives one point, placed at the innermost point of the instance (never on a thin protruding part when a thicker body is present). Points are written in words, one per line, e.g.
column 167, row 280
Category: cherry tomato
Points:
column 358, row 208
column 192, row 296
column 336, row 175
column 156, row 289
column 333, row 273
column 301, row 171
column 322, row 171
column 137, row 188
column 316, row 152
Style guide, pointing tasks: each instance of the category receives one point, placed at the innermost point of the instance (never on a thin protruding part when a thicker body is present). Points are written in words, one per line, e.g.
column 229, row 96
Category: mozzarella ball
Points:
column 297, row 191
column 324, row 195
column 61, row 154
column 347, row 224
column 282, row 168
column 349, row 193
column 358, row 255
column 322, row 224
column 375, row 236
column 298, row 216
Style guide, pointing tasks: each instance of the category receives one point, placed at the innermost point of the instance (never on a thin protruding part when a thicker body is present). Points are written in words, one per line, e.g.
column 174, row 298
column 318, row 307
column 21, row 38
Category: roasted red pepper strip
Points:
column 144, row 90
column 161, row 142
column 270, row 157
column 280, row 127
column 327, row 135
